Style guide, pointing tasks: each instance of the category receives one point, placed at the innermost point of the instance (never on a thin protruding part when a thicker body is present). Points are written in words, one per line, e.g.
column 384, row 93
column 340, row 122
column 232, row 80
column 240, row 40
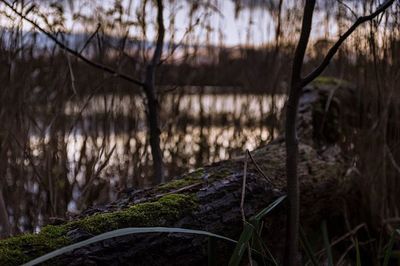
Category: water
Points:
column 196, row 130
column 98, row 146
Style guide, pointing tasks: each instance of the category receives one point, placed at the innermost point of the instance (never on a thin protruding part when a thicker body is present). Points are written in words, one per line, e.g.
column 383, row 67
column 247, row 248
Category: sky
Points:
column 234, row 30
column 251, row 27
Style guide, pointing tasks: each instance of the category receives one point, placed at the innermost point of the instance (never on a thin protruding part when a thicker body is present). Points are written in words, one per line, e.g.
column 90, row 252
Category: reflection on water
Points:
column 99, row 146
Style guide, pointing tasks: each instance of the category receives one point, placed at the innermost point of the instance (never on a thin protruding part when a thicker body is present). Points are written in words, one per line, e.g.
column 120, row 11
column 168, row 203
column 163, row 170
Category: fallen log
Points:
column 209, row 199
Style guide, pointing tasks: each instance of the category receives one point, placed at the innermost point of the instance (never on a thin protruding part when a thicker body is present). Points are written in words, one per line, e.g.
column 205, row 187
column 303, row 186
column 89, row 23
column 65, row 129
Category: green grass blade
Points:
column 263, row 248
column 389, row 249
column 250, row 231
column 327, row 244
column 307, row 247
column 358, row 257
column 265, row 211
column 123, row 232
column 242, row 245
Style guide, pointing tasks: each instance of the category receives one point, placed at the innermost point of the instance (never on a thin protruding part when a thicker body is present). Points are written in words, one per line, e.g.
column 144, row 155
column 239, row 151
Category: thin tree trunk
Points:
column 297, row 84
column 292, row 226
column 152, row 102
column 154, row 131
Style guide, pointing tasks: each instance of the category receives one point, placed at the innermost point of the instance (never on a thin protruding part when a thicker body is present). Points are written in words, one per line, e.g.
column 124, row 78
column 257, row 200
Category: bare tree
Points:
column 152, row 103
column 148, row 85
column 297, row 84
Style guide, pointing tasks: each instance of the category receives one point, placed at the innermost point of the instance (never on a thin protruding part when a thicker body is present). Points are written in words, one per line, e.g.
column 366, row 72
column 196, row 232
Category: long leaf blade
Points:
column 389, row 249
column 270, row 207
column 249, row 230
column 307, row 247
column 326, row 243
column 123, row 232
column 358, row 256
column 241, row 245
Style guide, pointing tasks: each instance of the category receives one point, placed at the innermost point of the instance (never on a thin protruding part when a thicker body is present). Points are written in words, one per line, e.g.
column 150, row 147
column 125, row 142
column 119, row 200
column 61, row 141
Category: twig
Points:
column 71, row 73
column 244, row 188
column 345, row 236
column 347, row 6
column 90, row 38
column 188, row 30
column 316, row 72
column 37, row 175
column 86, row 104
column 71, row 51
column 258, row 168
column 97, row 173
column 242, row 202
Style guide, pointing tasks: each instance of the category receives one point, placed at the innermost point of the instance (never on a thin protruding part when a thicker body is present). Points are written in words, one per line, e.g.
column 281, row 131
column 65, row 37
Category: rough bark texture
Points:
column 213, row 194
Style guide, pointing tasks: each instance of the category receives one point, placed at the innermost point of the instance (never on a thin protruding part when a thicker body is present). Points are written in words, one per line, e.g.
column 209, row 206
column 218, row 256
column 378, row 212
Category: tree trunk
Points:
column 154, row 129
column 292, row 149
column 152, row 102
column 297, row 84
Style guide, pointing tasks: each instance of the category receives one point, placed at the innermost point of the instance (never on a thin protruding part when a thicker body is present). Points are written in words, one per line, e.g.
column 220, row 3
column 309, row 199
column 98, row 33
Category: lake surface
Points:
column 98, row 146
column 196, row 130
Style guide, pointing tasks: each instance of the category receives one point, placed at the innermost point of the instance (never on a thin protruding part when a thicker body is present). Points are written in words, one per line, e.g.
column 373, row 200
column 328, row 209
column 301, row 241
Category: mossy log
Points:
column 209, row 199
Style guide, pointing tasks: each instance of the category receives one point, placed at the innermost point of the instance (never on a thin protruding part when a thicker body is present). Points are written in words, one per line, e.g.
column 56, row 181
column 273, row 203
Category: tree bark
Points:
column 154, row 129
column 217, row 191
column 152, row 102
column 297, row 84
column 291, row 257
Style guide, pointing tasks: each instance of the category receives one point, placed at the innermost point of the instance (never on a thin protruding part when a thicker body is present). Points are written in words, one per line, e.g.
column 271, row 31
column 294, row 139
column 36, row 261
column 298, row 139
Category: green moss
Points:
column 20, row 249
column 186, row 180
column 158, row 213
column 221, row 172
column 196, row 174
column 177, row 184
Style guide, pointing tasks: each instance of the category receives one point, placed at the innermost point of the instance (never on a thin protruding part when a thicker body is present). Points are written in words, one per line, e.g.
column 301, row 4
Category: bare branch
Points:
column 71, row 51
column 161, row 33
column 316, row 72
column 348, row 8
column 90, row 38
